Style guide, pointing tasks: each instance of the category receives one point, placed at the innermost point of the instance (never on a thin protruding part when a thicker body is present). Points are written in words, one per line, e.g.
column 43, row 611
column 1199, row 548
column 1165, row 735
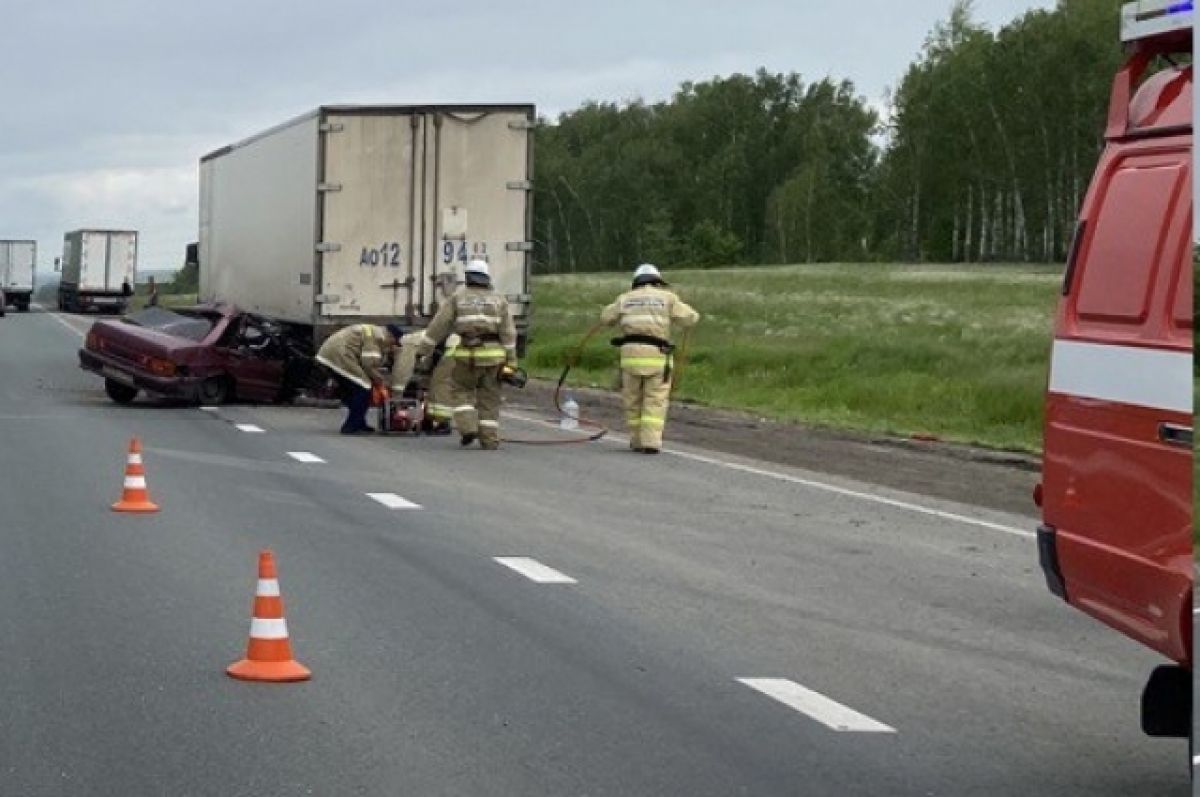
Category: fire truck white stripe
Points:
column 1125, row 374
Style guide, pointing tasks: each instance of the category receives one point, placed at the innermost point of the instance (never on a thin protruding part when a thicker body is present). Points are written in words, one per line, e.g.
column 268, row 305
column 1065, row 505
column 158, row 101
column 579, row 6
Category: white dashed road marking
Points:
column 209, row 409
column 251, row 428
column 828, row 712
column 393, row 501
column 305, row 456
column 534, row 570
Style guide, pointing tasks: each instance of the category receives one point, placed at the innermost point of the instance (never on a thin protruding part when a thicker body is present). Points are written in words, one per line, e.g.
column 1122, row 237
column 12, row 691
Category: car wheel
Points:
column 215, row 390
column 122, row 394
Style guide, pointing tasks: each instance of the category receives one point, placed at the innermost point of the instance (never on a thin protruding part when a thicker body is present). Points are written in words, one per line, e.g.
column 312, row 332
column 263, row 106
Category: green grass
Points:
column 958, row 352
column 138, row 301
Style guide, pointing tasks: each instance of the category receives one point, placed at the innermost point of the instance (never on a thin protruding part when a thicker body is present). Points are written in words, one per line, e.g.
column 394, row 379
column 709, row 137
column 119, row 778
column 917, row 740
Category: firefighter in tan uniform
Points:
column 441, row 383
column 646, row 314
column 487, row 340
column 354, row 355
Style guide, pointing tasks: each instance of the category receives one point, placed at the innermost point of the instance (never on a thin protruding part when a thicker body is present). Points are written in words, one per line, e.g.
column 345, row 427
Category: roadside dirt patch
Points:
column 994, row 479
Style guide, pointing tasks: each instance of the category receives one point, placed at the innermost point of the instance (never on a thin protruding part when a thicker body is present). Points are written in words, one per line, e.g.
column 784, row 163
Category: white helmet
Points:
column 477, row 267
column 647, row 273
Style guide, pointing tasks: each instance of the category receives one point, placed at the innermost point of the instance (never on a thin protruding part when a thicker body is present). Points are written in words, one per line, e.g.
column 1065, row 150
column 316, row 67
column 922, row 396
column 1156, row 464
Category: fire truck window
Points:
column 1130, row 236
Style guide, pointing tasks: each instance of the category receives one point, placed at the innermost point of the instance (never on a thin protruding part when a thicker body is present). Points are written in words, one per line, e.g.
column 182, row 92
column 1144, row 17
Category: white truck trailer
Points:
column 18, row 272
column 99, row 270
column 368, row 213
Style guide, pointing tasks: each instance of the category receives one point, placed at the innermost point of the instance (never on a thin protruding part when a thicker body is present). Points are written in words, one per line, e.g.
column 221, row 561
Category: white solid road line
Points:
column 534, row 570
column 250, row 428
column 305, row 456
column 393, row 501
column 878, row 499
column 828, row 712
column 65, row 323
column 817, row 485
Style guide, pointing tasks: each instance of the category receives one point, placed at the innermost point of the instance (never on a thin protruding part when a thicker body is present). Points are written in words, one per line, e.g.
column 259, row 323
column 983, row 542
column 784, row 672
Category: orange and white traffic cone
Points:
column 135, row 497
column 269, row 653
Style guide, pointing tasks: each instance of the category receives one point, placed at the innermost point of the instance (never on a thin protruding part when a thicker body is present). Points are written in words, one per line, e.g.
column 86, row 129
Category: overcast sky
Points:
column 108, row 104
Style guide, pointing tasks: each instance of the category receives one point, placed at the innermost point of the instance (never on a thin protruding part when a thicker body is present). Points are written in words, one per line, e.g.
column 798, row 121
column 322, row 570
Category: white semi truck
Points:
column 99, row 270
column 368, row 213
column 18, row 272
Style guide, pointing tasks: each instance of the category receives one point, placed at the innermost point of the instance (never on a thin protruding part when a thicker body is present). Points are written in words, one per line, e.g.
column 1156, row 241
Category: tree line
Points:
column 988, row 146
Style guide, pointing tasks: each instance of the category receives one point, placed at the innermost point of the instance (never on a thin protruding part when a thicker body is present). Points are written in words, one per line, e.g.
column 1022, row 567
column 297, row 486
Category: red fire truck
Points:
column 1116, row 490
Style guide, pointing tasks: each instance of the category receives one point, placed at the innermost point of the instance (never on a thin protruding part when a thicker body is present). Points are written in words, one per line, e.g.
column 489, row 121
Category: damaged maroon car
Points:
column 209, row 354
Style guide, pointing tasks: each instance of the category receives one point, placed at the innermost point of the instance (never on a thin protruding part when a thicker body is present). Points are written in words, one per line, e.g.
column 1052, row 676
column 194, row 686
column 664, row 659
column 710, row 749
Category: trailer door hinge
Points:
column 328, row 298
column 332, row 127
column 329, row 186
column 326, row 246
column 519, row 246
column 520, row 185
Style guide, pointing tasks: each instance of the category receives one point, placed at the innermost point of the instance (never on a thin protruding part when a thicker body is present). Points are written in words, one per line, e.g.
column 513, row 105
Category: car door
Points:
column 255, row 359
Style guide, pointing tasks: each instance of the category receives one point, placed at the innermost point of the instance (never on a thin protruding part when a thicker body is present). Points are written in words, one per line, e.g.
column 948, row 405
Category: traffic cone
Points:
column 135, row 497
column 269, row 653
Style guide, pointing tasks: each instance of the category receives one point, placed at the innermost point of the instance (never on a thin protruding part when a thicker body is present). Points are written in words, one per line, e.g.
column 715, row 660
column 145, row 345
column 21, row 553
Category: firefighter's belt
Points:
column 665, row 346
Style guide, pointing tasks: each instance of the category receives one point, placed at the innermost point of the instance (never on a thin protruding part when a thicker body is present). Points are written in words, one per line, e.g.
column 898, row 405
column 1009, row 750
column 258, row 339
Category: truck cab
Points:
column 1116, row 489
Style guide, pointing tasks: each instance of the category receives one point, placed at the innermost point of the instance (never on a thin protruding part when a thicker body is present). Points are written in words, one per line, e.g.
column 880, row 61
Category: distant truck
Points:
column 18, row 272
column 99, row 270
column 1116, row 489
column 368, row 213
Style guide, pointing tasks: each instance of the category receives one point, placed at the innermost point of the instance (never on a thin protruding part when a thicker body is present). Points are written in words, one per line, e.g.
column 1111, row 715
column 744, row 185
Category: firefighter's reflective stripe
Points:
column 465, row 408
column 654, row 361
column 489, row 424
column 651, row 420
column 440, row 411
column 1155, row 378
column 480, row 353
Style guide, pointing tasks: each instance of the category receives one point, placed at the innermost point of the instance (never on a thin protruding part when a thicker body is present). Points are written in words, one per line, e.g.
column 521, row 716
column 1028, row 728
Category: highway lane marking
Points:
column 534, row 570
column 207, row 408
column 250, row 428
column 1196, row 760
column 829, row 713
column 305, row 456
column 393, row 501
column 66, row 324
column 616, row 439
column 878, row 499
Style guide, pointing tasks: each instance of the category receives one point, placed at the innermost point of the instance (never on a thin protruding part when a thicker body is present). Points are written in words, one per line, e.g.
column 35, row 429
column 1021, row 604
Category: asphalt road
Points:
column 920, row 626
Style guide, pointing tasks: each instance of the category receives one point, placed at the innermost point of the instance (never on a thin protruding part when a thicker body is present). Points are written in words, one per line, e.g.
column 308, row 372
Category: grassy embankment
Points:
column 957, row 352
column 138, row 301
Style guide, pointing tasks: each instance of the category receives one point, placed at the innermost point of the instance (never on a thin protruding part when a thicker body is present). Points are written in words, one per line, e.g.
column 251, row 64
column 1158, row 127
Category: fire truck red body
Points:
column 1116, row 491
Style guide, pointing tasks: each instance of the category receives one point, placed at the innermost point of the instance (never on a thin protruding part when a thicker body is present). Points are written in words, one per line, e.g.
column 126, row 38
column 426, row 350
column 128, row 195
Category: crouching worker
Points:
column 487, row 340
column 646, row 314
column 437, row 369
column 354, row 356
